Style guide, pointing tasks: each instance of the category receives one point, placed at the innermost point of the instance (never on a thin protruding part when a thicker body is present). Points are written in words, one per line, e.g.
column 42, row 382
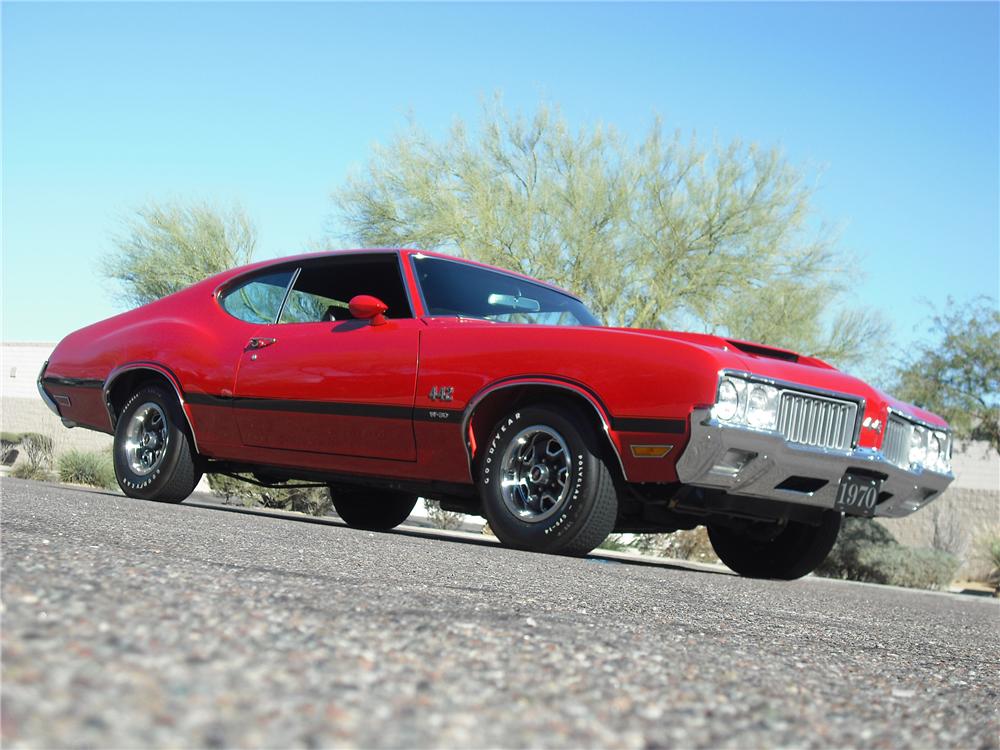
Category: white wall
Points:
column 19, row 367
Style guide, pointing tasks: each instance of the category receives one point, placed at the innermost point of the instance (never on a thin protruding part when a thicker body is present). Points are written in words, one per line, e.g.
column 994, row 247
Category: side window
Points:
column 259, row 299
column 324, row 288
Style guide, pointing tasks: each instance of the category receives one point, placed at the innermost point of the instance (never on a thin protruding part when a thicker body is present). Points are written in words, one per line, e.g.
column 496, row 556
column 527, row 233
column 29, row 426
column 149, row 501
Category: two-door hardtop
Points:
column 393, row 374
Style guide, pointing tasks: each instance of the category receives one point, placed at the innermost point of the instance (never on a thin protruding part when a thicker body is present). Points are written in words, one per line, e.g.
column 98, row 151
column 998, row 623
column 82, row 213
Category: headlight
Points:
column 728, row 402
column 762, row 407
column 935, row 447
column 938, row 450
column 745, row 403
column 918, row 445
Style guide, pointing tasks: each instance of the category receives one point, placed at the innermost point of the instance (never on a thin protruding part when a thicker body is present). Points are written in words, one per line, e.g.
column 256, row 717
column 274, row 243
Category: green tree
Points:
column 957, row 373
column 665, row 232
column 167, row 247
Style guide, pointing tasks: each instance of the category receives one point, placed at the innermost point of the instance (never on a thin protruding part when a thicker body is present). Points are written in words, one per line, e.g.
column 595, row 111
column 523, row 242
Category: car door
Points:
column 336, row 385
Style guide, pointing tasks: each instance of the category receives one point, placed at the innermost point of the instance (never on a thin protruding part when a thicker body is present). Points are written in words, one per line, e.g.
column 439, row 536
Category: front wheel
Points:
column 783, row 551
column 544, row 483
column 372, row 510
column 152, row 451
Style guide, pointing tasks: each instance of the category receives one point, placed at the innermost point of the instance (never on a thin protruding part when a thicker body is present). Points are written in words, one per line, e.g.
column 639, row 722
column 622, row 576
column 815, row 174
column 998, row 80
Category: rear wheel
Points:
column 783, row 551
column 544, row 483
column 373, row 510
column 153, row 454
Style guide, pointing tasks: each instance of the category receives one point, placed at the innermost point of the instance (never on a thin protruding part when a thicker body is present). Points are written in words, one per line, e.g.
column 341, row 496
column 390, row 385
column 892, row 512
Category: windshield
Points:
column 460, row 289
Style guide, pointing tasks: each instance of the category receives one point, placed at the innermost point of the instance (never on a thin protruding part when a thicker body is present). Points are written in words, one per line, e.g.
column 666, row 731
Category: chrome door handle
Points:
column 258, row 343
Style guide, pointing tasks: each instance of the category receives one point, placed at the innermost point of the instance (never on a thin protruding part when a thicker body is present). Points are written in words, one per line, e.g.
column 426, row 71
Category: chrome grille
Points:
column 817, row 421
column 896, row 444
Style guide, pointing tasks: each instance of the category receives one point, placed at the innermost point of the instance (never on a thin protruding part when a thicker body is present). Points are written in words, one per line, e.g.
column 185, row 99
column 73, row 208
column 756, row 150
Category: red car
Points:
column 393, row 374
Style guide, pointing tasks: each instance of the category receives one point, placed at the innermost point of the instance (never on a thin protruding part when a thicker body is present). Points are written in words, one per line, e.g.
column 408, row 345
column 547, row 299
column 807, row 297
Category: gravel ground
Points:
column 128, row 624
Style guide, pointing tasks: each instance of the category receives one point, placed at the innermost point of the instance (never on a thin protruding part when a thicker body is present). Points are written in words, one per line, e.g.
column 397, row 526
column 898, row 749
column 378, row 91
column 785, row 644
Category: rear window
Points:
column 258, row 299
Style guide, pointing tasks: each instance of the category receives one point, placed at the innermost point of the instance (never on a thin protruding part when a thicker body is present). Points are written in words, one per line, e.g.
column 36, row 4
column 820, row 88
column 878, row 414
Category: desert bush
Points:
column 986, row 550
column 692, row 544
column 25, row 470
column 231, row 489
column 38, row 452
column 82, row 467
column 443, row 519
column 8, row 447
column 867, row 551
column 948, row 533
column 314, row 501
column 614, row 543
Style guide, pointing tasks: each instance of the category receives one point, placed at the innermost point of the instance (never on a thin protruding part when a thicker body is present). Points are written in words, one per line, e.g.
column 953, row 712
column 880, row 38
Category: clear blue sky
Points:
column 106, row 107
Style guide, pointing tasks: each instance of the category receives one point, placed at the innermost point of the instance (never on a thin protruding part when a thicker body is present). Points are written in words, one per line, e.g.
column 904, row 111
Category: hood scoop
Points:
column 758, row 350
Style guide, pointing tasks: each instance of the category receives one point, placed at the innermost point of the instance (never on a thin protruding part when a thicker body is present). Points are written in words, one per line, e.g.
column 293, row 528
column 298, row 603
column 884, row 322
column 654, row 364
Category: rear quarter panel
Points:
column 186, row 334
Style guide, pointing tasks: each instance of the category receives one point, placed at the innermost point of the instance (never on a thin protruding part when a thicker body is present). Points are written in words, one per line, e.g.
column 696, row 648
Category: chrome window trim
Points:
column 334, row 259
column 420, row 287
column 406, row 287
column 288, row 290
column 298, row 264
column 238, row 282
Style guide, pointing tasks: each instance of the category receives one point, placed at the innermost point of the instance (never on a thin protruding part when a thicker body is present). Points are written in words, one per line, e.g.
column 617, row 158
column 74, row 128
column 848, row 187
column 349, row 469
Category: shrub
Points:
column 949, row 536
column 867, row 551
column 314, row 501
column 8, row 447
column 443, row 519
column 25, row 470
column 614, row 543
column 687, row 544
column 231, row 489
column 38, row 450
column 81, row 467
column 986, row 549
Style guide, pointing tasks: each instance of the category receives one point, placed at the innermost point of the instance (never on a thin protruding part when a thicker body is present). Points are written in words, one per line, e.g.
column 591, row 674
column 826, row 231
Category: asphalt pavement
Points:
column 135, row 624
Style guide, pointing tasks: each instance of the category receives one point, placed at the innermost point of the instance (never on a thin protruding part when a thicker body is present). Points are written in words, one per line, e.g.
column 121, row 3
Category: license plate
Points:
column 857, row 495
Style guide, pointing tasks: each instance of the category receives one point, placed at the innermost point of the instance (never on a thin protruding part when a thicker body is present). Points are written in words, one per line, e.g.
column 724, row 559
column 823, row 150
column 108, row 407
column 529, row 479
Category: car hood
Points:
column 786, row 366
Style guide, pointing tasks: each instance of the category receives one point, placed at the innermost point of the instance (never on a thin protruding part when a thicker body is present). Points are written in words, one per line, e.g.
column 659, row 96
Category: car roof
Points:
column 405, row 252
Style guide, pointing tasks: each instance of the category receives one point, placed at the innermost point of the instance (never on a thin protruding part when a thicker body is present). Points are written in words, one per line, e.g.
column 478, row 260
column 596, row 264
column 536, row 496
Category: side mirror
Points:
column 366, row 307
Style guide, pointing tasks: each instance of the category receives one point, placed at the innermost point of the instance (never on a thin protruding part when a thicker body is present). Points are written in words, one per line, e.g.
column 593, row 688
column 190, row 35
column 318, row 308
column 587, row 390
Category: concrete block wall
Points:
column 32, row 415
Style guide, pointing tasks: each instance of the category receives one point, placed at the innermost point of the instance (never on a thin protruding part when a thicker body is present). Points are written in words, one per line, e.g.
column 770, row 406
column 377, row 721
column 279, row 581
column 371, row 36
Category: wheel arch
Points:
column 124, row 380
column 492, row 402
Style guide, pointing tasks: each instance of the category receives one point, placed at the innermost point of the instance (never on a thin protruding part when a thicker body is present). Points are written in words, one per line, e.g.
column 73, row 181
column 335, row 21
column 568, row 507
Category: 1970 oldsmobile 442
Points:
column 393, row 374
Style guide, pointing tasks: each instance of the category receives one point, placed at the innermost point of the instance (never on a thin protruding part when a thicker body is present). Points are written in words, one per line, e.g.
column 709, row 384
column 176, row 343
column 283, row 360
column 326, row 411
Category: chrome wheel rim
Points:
column 535, row 474
column 146, row 439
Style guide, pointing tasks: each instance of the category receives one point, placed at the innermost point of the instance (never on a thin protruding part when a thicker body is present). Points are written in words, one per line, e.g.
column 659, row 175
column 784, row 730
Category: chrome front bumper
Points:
column 746, row 462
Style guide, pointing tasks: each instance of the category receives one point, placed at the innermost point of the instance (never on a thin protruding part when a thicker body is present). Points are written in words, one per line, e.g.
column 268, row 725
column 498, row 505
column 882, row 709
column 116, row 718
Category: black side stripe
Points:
column 72, row 382
column 338, row 408
column 631, row 424
column 385, row 411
